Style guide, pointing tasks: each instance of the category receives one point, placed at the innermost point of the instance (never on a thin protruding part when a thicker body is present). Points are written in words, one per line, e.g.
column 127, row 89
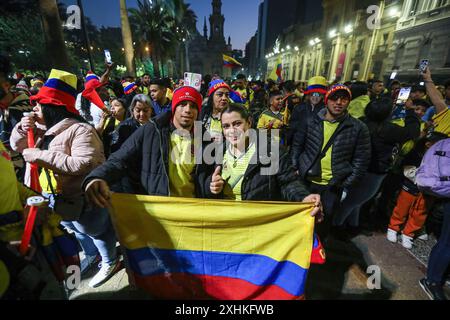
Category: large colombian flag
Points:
column 179, row 248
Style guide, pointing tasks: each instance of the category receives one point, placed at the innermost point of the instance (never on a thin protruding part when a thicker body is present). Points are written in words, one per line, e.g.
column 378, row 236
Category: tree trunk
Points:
column 127, row 39
column 162, row 68
column 51, row 22
column 155, row 62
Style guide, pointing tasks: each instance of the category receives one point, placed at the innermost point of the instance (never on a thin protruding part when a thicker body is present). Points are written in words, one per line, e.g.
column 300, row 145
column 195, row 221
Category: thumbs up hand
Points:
column 217, row 183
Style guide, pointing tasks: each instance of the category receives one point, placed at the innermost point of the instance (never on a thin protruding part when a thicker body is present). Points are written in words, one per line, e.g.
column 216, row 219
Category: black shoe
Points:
column 433, row 290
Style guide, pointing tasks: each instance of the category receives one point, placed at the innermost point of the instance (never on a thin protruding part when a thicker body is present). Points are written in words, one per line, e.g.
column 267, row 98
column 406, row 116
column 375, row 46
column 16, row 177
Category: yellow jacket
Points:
column 13, row 195
column 270, row 120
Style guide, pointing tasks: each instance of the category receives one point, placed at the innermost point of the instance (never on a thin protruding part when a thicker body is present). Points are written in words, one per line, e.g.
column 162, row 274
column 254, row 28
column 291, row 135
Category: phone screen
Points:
column 108, row 57
column 403, row 95
column 393, row 75
column 423, row 65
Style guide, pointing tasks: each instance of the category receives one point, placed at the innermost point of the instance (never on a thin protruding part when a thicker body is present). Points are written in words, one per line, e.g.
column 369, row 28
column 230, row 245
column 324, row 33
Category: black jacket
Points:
column 283, row 185
column 149, row 147
column 350, row 153
column 300, row 117
column 386, row 136
column 123, row 132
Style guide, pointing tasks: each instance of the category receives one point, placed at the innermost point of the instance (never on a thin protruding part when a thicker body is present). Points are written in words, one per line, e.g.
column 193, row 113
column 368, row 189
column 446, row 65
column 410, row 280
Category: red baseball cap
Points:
column 186, row 93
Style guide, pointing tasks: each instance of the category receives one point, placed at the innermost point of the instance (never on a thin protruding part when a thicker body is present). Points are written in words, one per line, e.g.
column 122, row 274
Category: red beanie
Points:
column 186, row 94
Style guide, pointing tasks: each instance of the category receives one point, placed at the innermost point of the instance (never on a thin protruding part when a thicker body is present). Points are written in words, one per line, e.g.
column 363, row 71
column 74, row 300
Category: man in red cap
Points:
column 165, row 149
column 332, row 153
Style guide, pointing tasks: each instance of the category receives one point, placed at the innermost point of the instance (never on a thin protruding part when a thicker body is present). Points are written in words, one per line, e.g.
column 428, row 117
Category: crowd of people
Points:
column 350, row 148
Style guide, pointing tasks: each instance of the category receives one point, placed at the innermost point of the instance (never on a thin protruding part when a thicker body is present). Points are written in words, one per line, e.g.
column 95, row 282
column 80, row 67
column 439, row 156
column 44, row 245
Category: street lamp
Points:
column 332, row 33
column 348, row 29
column 296, row 48
column 288, row 47
column 393, row 12
column 311, row 42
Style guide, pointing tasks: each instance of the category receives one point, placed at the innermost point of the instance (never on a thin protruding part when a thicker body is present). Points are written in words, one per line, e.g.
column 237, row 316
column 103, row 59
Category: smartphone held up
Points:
column 108, row 57
column 423, row 65
column 403, row 96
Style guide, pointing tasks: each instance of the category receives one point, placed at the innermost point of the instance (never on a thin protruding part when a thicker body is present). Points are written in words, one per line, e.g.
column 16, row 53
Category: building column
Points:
column 368, row 61
column 347, row 65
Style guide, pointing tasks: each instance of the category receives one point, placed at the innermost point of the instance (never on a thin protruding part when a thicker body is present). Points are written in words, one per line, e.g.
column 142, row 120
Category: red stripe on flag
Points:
column 187, row 286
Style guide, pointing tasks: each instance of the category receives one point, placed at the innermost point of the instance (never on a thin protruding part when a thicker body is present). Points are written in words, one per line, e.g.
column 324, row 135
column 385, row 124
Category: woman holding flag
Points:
column 241, row 175
column 70, row 149
column 245, row 173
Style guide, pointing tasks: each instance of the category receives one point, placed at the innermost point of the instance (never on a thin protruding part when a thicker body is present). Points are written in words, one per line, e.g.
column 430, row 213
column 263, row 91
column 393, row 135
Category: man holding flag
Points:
column 165, row 147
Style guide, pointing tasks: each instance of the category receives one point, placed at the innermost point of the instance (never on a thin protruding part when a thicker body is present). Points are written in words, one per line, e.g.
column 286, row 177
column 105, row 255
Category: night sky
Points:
column 241, row 16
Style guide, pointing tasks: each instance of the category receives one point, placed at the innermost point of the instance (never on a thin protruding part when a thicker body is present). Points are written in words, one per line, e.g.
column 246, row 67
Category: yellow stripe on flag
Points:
column 282, row 231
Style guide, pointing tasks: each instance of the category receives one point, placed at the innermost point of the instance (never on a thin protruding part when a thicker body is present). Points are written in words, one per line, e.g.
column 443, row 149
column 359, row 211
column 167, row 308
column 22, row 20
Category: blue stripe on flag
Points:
column 257, row 269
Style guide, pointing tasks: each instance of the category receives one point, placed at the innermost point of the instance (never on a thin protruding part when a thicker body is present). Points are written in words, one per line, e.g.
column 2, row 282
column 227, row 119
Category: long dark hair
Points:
column 123, row 102
column 86, row 107
column 54, row 114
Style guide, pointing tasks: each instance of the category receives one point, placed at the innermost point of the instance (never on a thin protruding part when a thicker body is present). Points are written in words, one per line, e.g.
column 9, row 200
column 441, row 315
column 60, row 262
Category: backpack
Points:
column 433, row 176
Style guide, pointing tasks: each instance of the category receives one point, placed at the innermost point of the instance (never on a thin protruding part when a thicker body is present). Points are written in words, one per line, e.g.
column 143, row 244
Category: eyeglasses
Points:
column 344, row 99
column 316, row 94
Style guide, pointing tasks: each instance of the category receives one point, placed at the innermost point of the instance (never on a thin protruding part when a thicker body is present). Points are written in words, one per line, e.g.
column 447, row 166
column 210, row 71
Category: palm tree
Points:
column 155, row 28
column 51, row 22
column 186, row 27
column 188, row 18
column 127, row 39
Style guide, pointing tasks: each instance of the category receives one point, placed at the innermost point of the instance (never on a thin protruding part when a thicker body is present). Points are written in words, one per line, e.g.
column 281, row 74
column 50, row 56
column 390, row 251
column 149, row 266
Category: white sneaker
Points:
column 391, row 235
column 423, row 237
column 105, row 272
column 407, row 242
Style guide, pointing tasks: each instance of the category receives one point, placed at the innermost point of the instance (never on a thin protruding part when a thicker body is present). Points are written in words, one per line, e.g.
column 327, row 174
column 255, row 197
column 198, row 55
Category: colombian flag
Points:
column 277, row 70
column 230, row 62
column 179, row 248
